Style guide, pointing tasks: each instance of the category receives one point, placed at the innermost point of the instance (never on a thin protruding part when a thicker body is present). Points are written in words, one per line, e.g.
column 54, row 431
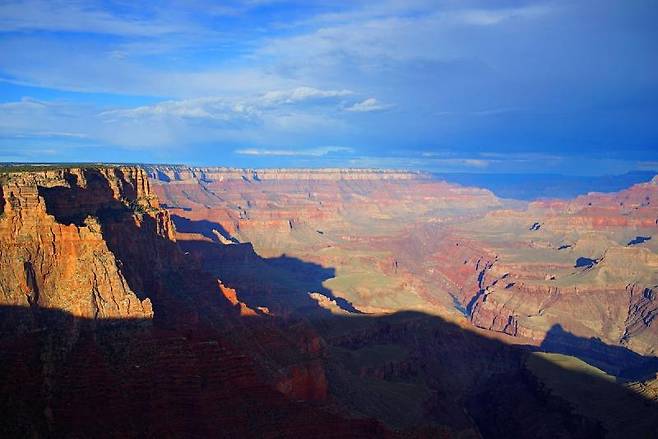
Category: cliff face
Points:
column 108, row 329
column 53, row 250
column 588, row 264
column 114, row 323
column 249, row 203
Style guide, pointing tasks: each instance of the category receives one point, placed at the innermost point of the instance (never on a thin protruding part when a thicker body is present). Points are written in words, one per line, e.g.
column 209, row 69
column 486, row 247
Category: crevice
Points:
column 482, row 290
column 2, row 202
column 31, row 282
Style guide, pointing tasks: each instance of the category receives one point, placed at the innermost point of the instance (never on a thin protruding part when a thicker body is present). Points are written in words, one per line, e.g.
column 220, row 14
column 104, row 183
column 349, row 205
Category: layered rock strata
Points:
column 108, row 329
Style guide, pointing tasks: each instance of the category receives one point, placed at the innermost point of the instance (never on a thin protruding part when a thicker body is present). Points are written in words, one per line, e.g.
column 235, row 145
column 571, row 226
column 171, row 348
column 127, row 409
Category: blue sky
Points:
column 463, row 86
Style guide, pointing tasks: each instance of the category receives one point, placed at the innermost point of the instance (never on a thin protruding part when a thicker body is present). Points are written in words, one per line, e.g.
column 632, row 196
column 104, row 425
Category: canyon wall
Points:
column 108, row 329
column 324, row 303
column 589, row 265
column 67, row 264
column 416, row 243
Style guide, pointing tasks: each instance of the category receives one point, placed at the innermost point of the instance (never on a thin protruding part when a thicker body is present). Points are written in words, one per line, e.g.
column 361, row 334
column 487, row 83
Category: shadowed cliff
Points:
column 128, row 378
column 205, row 228
column 139, row 236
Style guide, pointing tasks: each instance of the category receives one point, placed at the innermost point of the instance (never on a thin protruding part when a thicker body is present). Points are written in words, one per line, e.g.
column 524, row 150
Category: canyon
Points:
column 404, row 241
column 180, row 301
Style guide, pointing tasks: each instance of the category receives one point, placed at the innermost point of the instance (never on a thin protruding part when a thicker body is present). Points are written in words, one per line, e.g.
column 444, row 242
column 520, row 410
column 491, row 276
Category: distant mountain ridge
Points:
column 534, row 186
column 168, row 173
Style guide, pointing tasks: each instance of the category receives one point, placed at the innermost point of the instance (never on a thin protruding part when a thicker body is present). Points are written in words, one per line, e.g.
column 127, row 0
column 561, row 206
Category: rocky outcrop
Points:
column 525, row 299
column 108, row 329
column 67, row 264
column 640, row 330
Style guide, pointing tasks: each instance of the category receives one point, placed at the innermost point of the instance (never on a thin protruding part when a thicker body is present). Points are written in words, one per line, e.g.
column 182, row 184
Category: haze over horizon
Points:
column 443, row 86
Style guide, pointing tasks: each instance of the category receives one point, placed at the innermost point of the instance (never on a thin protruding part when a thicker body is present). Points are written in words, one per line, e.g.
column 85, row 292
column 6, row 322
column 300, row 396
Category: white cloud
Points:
column 362, row 37
column 647, row 165
column 475, row 163
column 301, row 94
column 34, row 118
column 488, row 17
column 212, row 108
column 311, row 152
column 440, row 159
column 368, row 105
column 50, row 134
column 273, row 118
column 24, row 104
column 370, row 38
column 227, row 109
column 328, row 48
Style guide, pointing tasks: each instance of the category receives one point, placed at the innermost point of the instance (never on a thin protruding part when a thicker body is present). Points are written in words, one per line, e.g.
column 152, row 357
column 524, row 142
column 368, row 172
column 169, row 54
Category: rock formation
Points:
column 108, row 329
column 323, row 303
column 67, row 264
column 509, row 267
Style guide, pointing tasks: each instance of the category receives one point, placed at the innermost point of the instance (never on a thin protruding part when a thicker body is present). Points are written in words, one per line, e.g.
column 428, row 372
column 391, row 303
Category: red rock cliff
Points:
column 67, row 265
column 108, row 330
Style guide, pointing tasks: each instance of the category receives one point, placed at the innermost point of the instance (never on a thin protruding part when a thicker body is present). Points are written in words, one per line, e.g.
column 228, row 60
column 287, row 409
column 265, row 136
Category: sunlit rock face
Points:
column 587, row 264
column 65, row 263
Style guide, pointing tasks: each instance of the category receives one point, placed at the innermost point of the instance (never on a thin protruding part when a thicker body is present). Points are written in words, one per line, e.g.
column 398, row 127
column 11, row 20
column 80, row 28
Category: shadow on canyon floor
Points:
column 62, row 375
column 284, row 283
column 614, row 360
column 281, row 283
column 65, row 376
column 202, row 227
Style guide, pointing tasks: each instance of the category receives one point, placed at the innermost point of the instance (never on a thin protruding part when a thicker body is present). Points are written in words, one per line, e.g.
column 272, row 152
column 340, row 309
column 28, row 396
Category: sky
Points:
column 447, row 86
